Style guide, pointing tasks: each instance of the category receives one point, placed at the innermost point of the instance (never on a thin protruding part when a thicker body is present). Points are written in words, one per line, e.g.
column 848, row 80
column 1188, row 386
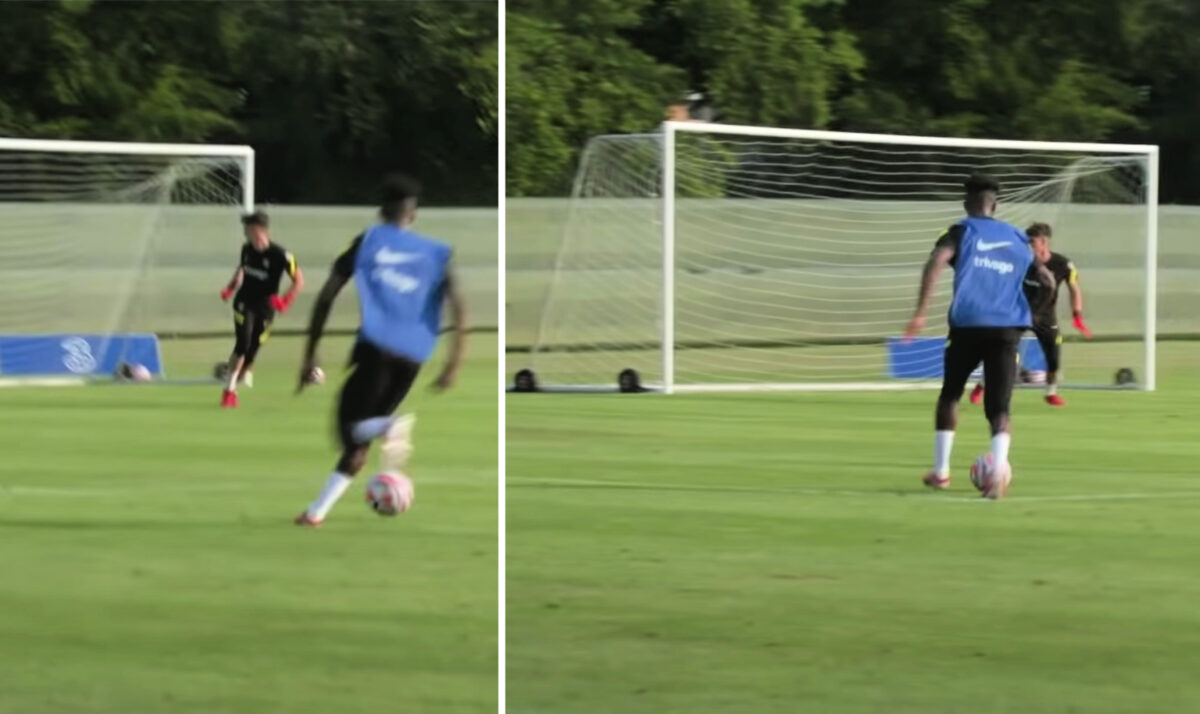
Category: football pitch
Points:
column 777, row 553
column 150, row 563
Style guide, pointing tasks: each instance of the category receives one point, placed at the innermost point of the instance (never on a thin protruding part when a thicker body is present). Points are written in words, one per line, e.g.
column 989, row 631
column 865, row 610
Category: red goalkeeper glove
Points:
column 281, row 304
column 1081, row 326
column 226, row 292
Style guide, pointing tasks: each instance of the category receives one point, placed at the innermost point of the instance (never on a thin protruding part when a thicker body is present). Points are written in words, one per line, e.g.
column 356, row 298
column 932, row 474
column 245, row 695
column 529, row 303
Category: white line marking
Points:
column 899, row 492
column 184, row 489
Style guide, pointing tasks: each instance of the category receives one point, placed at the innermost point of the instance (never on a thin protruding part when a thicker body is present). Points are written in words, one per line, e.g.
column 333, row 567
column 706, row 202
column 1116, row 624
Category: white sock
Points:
column 943, row 444
column 1051, row 389
column 370, row 429
column 248, row 378
column 334, row 488
column 1000, row 444
column 232, row 385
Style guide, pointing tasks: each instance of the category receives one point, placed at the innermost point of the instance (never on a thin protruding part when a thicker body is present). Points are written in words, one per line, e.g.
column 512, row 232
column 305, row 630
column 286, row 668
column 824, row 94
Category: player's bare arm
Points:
column 316, row 323
column 458, row 339
column 1077, row 302
column 941, row 257
column 296, row 275
column 234, row 283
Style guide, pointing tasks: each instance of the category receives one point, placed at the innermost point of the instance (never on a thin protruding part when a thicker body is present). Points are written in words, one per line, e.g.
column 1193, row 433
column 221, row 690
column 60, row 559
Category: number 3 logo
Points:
column 78, row 357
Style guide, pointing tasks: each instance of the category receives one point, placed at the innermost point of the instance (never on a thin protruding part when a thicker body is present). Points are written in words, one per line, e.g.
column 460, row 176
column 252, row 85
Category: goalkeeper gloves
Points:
column 226, row 292
column 1081, row 326
column 281, row 304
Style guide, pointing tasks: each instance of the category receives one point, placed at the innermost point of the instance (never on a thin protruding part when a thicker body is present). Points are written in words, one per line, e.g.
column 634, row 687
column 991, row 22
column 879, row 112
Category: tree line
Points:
column 331, row 94
column 1069, row 70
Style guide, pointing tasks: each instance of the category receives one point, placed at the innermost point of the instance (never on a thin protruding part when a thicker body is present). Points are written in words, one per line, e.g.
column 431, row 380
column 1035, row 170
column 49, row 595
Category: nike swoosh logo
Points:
column 992, row 246
column 387, row 257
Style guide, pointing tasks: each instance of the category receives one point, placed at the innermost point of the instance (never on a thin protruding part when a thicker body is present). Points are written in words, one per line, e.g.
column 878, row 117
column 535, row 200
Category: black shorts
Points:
column 376, row 386
column 1051, row 342
column 250, row 328
column 996, row 348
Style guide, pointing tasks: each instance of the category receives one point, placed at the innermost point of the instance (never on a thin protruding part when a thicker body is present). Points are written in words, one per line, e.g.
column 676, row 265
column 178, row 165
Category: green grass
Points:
column 150, row 564
column 776, row 553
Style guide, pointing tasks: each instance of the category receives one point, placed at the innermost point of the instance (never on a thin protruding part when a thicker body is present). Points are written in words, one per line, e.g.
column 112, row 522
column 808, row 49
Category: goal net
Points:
column 713, row 257
column 101, row 243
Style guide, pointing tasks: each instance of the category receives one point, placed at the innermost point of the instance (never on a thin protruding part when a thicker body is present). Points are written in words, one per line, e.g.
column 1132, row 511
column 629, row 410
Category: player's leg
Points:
column 1000, row 376
column 243, row 328
column 261, row 333
column 1051, row 343
column 359, row 422
column 959, row 361
column 397, row 441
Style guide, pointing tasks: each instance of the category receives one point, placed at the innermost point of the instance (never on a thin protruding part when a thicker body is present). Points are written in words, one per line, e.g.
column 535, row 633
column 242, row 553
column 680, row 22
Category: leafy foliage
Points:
column 331, row 94
column 1081, row 70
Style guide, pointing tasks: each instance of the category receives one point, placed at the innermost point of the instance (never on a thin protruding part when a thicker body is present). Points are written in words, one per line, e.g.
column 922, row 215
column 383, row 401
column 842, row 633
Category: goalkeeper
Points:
column 256, row 283
column 1044, row 299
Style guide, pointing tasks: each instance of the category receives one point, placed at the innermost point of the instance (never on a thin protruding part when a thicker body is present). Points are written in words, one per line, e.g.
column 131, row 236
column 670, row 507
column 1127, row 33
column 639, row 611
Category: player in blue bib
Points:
column 403, row 281
column 988, row 313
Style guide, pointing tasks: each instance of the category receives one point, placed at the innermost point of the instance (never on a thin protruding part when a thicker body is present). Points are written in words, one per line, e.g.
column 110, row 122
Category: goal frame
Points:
column 670, row 129
column 242, row 154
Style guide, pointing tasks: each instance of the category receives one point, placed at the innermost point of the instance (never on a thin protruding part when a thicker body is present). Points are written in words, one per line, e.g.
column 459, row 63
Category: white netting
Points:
column 99, row 243
column 795, row 259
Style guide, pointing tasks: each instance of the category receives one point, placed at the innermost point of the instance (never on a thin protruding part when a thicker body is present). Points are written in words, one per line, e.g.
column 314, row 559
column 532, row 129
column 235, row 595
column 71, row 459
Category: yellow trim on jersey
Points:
column 238, row 317
column 1058, row 340
column 291, row 265
column 1073, row 277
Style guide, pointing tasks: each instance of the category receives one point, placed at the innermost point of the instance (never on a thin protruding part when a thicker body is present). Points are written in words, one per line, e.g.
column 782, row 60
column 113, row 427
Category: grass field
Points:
column 150, row 564
column 776, row 553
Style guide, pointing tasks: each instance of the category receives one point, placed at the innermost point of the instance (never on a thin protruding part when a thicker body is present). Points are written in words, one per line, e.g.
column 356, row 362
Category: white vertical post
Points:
column 668, row 258
column 248, row 181
column 1151, row 316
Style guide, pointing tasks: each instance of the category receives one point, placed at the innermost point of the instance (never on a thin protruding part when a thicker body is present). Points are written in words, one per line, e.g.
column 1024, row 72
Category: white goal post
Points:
column 711, row 257
column 101, row 243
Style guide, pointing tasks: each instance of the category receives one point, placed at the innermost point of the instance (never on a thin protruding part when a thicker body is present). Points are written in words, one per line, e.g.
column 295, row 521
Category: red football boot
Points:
column 1055, row 401
column 229, row 399
column 306, row 520
column 933, row 480
column 977, row 394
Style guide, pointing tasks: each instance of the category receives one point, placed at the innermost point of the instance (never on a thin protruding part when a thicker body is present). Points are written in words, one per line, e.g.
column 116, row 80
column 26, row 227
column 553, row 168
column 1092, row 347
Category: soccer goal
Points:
column 107, row 245
column 708, row 257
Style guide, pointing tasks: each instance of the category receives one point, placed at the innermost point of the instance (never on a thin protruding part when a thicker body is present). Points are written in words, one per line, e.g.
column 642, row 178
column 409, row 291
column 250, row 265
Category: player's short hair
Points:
column 398, row 190
column 257, row 218
column 981, row 183
column 1038, row 229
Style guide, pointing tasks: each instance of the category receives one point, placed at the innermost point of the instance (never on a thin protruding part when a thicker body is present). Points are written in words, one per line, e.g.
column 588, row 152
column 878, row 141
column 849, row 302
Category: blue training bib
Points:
column 401, row 281
column 989, row 271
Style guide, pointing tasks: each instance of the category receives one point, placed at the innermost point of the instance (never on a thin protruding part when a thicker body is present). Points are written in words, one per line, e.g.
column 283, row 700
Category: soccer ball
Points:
column 991, row 481
column 316, row 376
column 389, row 494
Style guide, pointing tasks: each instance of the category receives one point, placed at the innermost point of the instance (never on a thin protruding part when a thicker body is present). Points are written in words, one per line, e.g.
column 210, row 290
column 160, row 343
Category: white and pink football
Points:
column 389, row 494
column 992, row 481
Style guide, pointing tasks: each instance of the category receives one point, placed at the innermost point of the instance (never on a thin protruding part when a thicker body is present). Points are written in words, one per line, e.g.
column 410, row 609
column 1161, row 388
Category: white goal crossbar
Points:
column 243, row 153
